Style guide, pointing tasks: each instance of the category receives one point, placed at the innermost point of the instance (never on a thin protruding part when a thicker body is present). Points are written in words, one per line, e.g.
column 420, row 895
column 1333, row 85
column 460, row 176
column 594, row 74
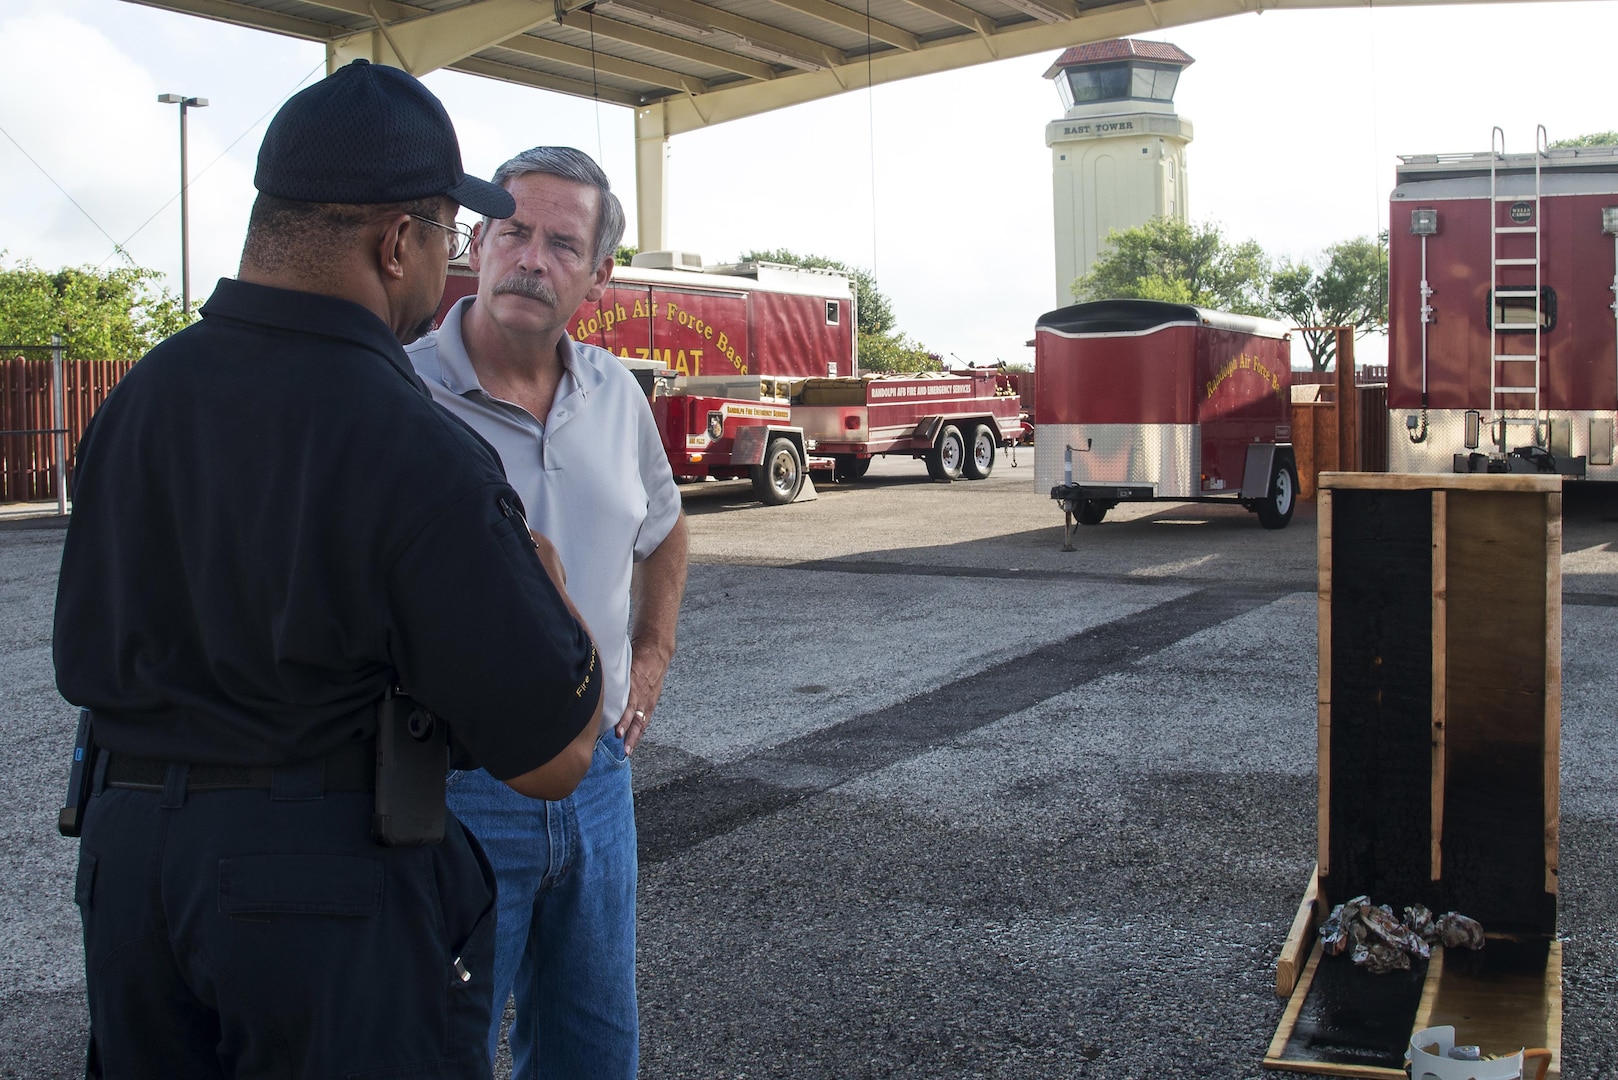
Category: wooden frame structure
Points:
column 1439, row 747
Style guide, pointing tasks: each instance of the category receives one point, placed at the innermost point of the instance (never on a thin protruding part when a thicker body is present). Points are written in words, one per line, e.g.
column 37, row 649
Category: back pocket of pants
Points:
column 300, row 884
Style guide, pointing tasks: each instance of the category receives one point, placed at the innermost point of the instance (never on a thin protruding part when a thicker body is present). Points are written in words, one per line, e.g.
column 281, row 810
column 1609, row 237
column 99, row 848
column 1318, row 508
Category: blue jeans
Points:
column 565, row 923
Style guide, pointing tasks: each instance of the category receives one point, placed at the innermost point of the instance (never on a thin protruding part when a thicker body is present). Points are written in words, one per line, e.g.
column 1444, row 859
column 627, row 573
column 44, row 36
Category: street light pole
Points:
column 185, row 195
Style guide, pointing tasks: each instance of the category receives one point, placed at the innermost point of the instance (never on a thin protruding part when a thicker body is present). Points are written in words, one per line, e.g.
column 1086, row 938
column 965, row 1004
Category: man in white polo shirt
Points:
column 577, row 438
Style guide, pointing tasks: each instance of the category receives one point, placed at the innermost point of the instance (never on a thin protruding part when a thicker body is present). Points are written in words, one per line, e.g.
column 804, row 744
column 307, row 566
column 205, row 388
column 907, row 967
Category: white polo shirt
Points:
column 593, row 476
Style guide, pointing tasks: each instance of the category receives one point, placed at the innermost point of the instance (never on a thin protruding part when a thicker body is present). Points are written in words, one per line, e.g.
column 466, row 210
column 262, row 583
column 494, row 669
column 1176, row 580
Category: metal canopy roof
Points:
column 682, row 65
column 701, row 62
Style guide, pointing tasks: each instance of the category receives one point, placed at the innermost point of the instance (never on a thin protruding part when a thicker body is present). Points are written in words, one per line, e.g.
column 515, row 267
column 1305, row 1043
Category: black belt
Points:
column 353, row 768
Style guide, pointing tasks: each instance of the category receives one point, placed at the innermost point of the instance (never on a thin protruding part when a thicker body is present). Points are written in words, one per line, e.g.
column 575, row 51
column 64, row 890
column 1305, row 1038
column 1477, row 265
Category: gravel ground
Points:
column 927, row 796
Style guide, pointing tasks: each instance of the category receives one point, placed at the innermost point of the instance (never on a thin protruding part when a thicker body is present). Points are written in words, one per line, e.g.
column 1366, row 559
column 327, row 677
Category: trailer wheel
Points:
column 1090, row 512
column 980, row 462
column 850, row 466
column 945, row 459
column 777, row 481
column 1275, row 509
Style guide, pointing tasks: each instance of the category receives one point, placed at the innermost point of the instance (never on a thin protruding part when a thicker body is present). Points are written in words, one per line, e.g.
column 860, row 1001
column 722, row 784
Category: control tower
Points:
column 1118, row 155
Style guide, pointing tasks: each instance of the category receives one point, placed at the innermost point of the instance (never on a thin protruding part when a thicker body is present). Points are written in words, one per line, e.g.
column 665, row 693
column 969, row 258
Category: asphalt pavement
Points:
column 927, row 796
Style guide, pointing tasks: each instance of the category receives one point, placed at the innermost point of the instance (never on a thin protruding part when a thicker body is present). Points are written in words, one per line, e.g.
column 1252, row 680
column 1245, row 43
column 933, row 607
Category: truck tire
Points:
column 1090, row 512
column 945, row 459
column 778, row 481
column 979, row 462
column 1275, row 509
column 850, row 466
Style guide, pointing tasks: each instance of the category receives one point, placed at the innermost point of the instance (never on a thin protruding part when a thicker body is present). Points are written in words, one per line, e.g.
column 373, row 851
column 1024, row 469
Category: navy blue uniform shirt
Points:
column 272, row 523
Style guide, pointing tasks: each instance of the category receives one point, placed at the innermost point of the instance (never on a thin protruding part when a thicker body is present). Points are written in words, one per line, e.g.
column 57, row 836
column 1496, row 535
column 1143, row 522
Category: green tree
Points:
column 625, row 254
column 896, row 352
column 101, row 314
column 1348, row 286
column 1595, row 138
column 1168, row 259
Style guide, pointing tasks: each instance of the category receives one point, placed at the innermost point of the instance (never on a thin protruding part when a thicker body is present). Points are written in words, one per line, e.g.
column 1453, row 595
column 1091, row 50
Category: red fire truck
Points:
column 749, row 366
column 1502, row 343
column 1150, row 400
column 715, row 348
column 955, row 421
column 741, row 319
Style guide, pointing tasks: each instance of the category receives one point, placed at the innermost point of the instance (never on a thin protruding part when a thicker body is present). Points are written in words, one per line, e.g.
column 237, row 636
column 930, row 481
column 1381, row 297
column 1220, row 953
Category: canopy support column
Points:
column 651, row 178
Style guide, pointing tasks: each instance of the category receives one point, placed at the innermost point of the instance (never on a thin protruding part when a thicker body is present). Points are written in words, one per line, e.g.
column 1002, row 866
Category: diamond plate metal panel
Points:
column 1446, row 437
column 1166, row 455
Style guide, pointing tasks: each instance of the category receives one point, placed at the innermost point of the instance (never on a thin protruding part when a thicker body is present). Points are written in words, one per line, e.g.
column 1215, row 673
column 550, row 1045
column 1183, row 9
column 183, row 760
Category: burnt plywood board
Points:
column 1377, row 820
column 1501, row 687
column 1343, row 1021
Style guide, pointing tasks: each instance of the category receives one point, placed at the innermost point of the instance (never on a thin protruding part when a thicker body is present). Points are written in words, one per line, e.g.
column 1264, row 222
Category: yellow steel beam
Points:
column 849, row 19
column 721, row 104
column 244, row 15
column 574, row 56
column 752, row 30
column 526, row 77
column 392, row 10
column 668, row 44
column 959, row 14
column 428, row 42
column 651, row 186
column 418, row 40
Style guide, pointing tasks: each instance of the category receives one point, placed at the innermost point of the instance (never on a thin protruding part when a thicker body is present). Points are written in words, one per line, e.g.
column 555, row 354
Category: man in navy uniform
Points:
column 274, row 527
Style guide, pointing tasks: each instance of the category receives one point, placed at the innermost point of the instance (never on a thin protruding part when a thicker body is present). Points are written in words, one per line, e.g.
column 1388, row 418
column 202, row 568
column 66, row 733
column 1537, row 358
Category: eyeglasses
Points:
column 462, row 234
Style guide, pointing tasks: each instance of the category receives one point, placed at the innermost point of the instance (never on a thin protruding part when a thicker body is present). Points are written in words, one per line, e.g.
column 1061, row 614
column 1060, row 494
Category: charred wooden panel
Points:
column 1495, row 738
column 1352, row 1019
column 1381, row 695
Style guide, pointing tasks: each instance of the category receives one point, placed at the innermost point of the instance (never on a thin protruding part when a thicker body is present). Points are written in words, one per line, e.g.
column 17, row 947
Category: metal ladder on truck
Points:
column 1507, row 369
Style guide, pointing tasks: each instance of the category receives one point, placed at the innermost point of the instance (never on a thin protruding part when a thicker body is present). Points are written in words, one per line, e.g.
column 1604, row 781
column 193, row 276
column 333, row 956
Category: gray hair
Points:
column 575, row 165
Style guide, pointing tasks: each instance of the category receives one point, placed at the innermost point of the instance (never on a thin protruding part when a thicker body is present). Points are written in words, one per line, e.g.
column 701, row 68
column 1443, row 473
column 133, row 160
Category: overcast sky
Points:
column 1298, row 117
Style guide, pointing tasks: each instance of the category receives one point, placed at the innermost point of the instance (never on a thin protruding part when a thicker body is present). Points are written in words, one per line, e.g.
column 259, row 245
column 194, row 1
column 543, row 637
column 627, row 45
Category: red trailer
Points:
column 734, row 429
column 714, row 349
column 1502, row 344
column 1150, row 400
column 955, row 421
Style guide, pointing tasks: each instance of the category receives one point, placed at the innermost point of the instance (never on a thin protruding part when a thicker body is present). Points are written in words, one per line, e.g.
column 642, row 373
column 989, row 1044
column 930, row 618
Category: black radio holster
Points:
column 412, row 757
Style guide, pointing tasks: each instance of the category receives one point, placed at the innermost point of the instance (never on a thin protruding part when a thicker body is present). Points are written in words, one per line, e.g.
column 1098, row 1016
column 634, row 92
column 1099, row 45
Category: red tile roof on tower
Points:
column 1107, row 52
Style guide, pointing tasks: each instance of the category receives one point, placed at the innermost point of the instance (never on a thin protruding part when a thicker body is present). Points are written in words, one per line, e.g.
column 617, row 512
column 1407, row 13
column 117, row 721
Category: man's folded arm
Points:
column 557, row 778
column 482, row 636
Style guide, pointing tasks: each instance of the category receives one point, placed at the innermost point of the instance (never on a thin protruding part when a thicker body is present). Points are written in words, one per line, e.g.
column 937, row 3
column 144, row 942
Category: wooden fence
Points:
column 1364, row 375
column 28, row 461
column 1319, row 446
column 1340, row 422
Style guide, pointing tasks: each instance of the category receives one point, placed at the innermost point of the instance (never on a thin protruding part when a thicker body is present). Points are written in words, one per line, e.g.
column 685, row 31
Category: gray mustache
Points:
column 529, row 286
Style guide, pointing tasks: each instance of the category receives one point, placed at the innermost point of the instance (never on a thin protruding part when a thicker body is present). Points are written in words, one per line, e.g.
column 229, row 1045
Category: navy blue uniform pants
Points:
column 240, row 935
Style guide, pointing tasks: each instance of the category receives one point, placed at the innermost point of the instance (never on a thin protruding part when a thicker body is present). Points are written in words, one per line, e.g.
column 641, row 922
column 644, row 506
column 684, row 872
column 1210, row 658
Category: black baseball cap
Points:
column 365, row 134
